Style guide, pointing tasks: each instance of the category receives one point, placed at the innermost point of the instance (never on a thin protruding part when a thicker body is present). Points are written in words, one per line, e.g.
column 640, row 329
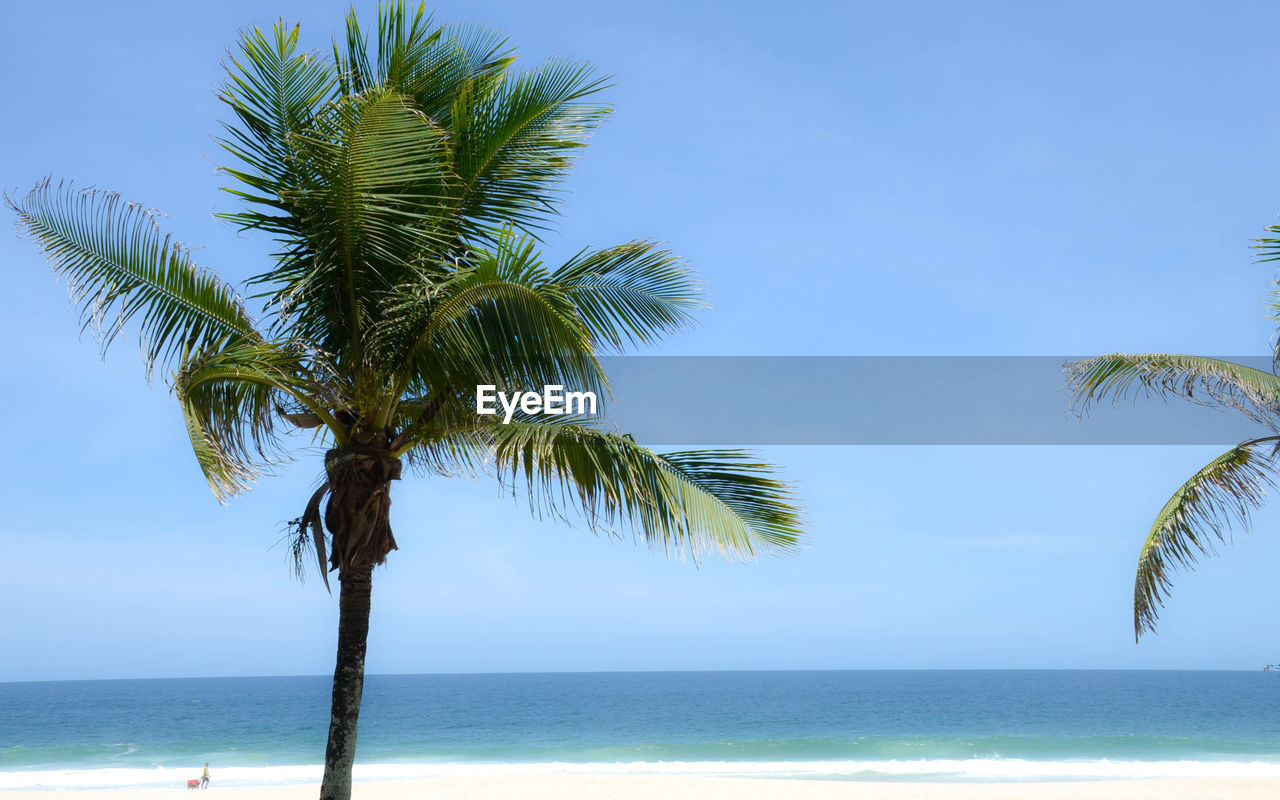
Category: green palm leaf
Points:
column 515, row 139
column 275, row 93
column 1208, row 381
column 631, row 294
column 1219, row 495
column 432, row 65
column 1268, row 247
column 120, row 268
column 1269, row 250
column 226, row 473
column 500, row 320
column 405, row 43
column 463, row 59
column 230, row 398
column 714, row 501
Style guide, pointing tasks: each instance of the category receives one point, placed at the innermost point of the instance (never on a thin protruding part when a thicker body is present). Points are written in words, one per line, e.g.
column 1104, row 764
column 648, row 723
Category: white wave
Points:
column 992, row 769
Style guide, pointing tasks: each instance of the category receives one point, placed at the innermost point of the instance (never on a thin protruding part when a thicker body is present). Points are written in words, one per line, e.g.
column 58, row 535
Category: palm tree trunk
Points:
column 348, row 683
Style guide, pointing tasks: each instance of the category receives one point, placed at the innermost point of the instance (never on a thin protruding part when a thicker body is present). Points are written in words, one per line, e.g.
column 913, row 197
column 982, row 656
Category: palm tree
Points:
column 1222, row 493
column 404, row 182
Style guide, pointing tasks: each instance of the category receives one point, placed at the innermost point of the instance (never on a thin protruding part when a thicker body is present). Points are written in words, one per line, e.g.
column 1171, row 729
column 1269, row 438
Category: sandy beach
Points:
column 661, row 787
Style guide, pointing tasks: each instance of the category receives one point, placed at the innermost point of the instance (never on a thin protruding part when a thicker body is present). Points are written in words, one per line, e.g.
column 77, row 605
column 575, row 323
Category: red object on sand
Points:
column 194, row 783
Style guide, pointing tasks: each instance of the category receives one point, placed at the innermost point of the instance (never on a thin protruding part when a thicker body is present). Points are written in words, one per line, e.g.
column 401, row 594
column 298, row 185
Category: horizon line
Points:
column 497, row 673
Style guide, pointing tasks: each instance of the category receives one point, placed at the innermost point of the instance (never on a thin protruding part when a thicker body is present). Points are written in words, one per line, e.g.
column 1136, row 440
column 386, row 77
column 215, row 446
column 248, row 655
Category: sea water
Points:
column 863, row 725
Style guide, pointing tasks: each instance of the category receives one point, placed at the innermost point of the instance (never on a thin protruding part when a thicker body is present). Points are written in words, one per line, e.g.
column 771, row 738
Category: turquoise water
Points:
column 983, row 725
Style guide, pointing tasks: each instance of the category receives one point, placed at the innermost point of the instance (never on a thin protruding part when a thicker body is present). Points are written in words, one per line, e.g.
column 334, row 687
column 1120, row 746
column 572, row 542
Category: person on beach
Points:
column 204, row 779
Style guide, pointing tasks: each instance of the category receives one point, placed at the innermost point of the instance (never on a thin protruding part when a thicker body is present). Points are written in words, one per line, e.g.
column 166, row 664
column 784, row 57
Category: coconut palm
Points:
column 1221, row 494
column 404, row 182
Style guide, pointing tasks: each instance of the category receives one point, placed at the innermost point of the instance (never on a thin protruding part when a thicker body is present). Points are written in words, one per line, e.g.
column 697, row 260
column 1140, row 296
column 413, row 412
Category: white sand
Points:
column 663, row 787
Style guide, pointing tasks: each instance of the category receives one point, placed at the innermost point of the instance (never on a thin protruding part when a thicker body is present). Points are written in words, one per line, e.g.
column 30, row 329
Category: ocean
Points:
column 857, row 725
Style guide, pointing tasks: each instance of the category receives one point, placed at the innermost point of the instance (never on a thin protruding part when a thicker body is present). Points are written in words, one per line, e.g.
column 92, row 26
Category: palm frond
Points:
column 382, row 175
column 119, row 268
column 405, row 42
column 230, row 398
column 464, row 59
column 355, row 72
column 726, row 502
column 448, row 444
column 1269, row 250
column 1207, row 381
column 1268, row 247
column 431, row 64
column 496, row 320
column 226, row 473
column 514, row 142
column 1218, row 496
column 274, row 92
column 632, row 294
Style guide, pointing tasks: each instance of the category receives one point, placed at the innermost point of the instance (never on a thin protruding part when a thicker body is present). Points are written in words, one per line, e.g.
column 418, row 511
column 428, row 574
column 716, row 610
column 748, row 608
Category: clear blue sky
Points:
column 888, row 178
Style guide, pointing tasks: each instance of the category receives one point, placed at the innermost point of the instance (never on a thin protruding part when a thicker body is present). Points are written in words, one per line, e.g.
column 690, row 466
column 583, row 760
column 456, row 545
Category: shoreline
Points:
column 659, row 787
column 896, row 771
